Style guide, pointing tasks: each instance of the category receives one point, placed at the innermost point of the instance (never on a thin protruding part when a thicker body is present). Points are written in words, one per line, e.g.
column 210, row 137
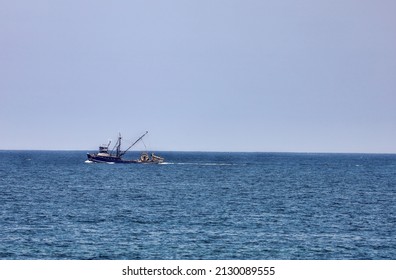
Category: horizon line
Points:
column 207, row 151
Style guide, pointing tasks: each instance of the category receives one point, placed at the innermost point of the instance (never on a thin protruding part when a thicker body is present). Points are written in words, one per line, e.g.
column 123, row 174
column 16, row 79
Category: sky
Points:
column 199, row 75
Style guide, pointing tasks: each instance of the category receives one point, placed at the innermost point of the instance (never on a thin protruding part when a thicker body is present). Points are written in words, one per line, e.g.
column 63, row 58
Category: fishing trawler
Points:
column 106, row 156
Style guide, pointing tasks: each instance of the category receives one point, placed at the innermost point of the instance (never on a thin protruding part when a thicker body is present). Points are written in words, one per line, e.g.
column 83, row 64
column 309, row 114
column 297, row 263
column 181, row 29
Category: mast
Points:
column 118, row 151
column 140, row 138
column 117, row 146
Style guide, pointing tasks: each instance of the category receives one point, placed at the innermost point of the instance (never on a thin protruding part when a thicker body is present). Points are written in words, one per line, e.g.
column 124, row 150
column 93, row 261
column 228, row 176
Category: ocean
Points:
column 198, row 205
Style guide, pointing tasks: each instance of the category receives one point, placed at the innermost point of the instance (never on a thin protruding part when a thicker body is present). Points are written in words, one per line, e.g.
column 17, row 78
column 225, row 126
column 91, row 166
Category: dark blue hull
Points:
column 108, row 159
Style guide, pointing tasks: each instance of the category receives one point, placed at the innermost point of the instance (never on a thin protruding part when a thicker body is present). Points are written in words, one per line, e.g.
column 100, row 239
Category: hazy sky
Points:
column 215, row 75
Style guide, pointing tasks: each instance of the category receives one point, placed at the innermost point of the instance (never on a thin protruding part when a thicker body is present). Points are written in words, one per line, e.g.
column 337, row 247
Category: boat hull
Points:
column 114, row 159
column 108, row 159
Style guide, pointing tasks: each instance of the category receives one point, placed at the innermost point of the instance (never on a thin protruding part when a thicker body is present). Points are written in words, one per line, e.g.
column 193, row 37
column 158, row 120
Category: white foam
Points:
column 204, row 163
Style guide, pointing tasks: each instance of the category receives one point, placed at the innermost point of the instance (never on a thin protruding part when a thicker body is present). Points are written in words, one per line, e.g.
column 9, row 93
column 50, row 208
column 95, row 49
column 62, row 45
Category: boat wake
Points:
column 200, row 163
column 182, row 163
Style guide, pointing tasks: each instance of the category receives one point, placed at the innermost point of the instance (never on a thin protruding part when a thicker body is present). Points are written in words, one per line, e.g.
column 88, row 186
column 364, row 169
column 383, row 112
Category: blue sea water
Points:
column 53, row 205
